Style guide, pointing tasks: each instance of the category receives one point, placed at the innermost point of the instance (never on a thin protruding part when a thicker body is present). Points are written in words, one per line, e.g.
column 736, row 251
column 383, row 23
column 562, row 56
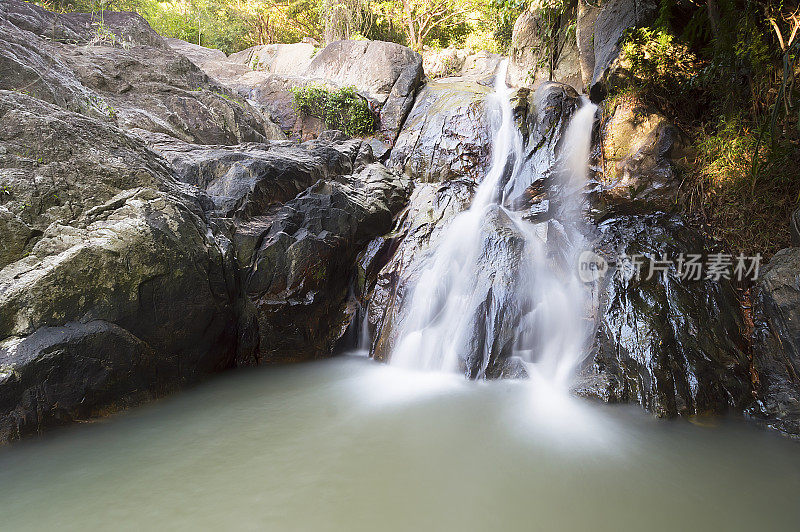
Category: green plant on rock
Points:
column 341, row 109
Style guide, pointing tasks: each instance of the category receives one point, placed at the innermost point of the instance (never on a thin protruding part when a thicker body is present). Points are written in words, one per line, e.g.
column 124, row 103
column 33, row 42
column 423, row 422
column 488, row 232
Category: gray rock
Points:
column 250, row 178
column 447, row 135
column 139, row 83
column 676, row 346
column 776, row 347
column 299, row 262
column 285, row 59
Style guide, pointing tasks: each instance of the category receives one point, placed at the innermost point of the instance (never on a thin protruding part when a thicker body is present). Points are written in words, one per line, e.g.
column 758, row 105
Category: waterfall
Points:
column 491, row 290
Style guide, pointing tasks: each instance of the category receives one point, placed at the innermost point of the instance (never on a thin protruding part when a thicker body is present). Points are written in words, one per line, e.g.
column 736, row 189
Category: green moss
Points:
column 341, row 109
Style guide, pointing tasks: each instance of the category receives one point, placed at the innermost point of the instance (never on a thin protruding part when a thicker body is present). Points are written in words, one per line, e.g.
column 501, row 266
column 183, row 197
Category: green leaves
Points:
column 341, row 109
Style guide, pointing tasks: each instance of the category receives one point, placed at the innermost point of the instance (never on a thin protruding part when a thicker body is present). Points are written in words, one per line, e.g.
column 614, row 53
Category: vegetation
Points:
column 233, row 25
column 341, row 109
column 725, row 71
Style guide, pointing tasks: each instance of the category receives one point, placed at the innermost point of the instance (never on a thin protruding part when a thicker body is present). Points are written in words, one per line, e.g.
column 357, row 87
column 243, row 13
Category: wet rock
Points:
column 676, row 346
column 297, row 276
column 404, row 252
column 447, row 135
column 543, row 48
column 776, row 349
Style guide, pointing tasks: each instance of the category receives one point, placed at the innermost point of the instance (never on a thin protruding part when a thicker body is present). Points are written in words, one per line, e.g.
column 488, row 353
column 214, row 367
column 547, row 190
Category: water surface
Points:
column 351, row 445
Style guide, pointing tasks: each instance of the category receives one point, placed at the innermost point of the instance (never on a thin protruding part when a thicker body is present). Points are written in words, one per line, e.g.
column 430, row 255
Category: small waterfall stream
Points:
column 494, row 288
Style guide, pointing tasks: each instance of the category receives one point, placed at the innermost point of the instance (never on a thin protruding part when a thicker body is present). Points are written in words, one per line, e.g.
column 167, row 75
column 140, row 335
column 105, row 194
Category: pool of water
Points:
column 350, row 445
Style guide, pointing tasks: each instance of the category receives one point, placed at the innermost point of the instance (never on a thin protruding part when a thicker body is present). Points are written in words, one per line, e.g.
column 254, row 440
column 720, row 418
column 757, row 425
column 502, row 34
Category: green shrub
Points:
column 341, row 109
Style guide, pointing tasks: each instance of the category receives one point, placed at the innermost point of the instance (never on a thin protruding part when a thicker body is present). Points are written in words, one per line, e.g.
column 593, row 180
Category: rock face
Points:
column 543, row 47
column 776, row 349
column 119, row 290
column 447, row 134
column 143, row 85
column 599, row 32
column 639, row 151
column 301, row 263
column 676, row 346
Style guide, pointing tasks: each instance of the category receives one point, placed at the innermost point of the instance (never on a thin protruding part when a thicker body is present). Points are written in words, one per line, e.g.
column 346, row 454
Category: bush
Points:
column 341, row 109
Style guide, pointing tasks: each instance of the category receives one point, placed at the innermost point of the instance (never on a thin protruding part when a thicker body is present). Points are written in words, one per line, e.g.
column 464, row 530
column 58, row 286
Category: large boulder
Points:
column 448, row 133
column 461, row 63
column 671, row 343
column 386, row 73
column 251, row 178
column 543, row 46
column 776, row 349
column 600, row 31
column 113, row 289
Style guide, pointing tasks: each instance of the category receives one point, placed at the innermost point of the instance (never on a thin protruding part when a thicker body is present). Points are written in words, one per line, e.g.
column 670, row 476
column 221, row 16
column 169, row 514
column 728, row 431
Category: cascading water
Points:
column 493, row 287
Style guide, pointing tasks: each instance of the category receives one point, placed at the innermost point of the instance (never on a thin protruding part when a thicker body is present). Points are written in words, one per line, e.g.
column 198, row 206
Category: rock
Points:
column 600, row 29
column 81, row 28
column 113, row 288
column 776, row 348
column 461, row 63
column 444, row 63
column 543, row 47
column 273, row 94
column 481, row 66
column 145, row 86
column 56, row 165
column 285, row 59
column 676, row 346
column 794, row 226
column 640, row 148
column 211, row 61
column 249, row 179
column 297, row 277
column 448, row 133
column 384, row 72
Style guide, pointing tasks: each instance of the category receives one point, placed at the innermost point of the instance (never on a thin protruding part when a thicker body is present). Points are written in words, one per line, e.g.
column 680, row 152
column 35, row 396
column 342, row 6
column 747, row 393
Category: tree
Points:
column 419, row 18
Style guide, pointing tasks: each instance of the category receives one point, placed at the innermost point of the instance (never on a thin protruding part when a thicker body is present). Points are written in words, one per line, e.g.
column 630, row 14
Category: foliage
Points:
column 233, row 25
column 341, row 109
column 725, row 71
column 503, row 15
column 662, row 69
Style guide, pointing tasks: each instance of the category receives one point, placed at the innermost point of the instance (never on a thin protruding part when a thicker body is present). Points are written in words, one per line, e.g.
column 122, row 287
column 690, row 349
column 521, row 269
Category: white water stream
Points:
column 491, row 259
